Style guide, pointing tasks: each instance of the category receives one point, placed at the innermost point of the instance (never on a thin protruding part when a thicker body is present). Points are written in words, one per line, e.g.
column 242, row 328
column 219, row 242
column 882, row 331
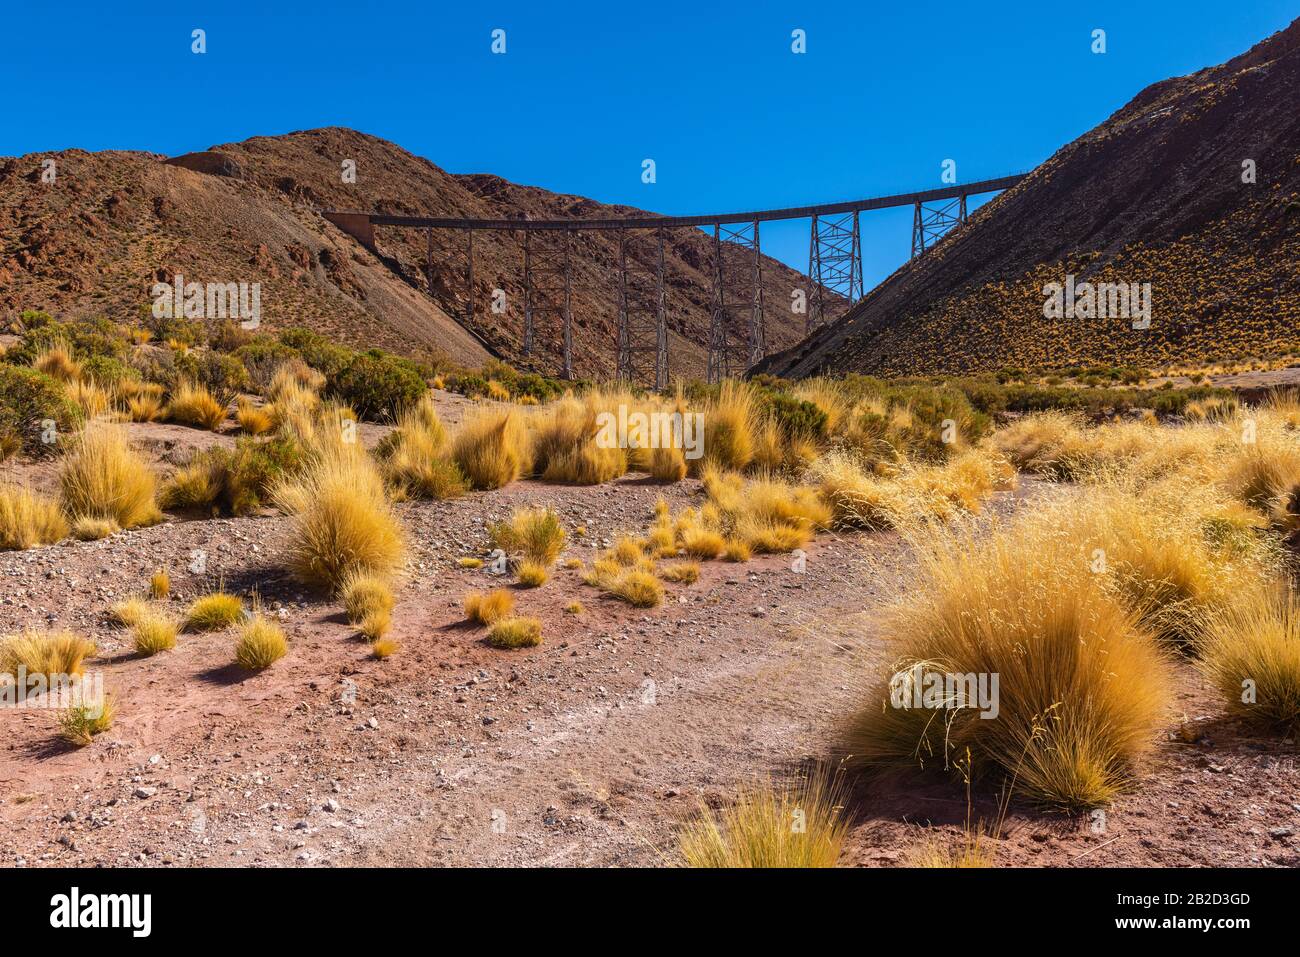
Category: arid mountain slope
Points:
column 1155, row 194
column 111, row 224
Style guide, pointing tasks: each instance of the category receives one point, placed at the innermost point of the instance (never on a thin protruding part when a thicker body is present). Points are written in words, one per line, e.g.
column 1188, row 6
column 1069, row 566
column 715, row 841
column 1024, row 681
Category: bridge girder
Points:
column 737, row 326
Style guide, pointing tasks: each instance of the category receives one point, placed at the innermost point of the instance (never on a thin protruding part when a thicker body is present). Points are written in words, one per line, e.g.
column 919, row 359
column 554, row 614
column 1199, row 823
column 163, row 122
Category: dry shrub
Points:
column 193, row 404
column 252, row 419
column 683, row 572
column 154, row 632
column 863, row 497
column 416, row 456
column 103, row 478
column 492, row 448
column 567, row 444
column 146, row 407
column 384, row 648
column 1082, row 686
column 757, row 829
column 294, row 376
column 486, row 609
column 736, row 550
column 641, row 589
column 1167, row 552
column 261, row 643
column 94, row 400
column 160, row 585
column 532, row 574
column 666, row 464
column 88, row 529
column 365, row 595
column 56, row 361
column 47, row 653
column 130, row 611
column 1250, row 652
column 515, row 633
column 28, row 520
column 729, row 423
column 82, row 723
column 214, row 612
column 535, row 533
column 374, row 626
column 469, row 562
column 342, row 521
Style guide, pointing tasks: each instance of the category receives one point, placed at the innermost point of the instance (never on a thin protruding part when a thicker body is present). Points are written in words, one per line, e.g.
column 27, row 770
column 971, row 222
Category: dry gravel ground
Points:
column 588, row 750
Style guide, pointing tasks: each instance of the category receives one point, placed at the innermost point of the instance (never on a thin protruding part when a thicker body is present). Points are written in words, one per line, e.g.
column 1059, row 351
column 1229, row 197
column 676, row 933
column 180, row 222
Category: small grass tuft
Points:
column 214, row 612
column 261, row 644
column 160, row 585
column 799, row 826
column 515, row 633
column 487, row 609
column 82, row 723
column 532, row 574
column 153, row 633
column 365, row 595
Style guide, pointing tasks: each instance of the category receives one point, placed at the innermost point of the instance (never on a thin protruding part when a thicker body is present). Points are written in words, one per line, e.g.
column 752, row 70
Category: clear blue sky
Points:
column 586, row 91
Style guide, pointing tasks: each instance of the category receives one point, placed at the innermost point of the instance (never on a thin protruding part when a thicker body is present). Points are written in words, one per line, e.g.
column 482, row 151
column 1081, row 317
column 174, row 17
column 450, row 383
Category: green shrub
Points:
column 107, row 371
column 378, row 385
column 29, row 402
column 317, row 351
column 261, row 357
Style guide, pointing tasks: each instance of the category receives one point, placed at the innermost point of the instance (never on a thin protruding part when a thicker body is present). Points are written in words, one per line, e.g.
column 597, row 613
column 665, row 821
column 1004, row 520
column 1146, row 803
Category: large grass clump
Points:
column 28, row 519
column 193, row 404
column 48, row 653
column 492, row 448
column 1250, row 652
column 103, row 478
column 1082, row 685
column 569, row 445
column 729, row 423
column 416, row 456
column 342, row 521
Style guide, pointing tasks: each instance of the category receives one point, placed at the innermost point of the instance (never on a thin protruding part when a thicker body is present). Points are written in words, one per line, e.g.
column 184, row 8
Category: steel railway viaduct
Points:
column 736, row 327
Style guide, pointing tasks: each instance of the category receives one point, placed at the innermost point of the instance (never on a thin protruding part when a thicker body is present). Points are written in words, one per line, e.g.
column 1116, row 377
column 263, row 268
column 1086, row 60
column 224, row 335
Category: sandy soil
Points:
column 588, row 750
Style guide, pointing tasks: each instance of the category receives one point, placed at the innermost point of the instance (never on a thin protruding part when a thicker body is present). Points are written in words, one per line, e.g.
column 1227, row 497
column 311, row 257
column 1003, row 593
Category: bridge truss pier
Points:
column 642, row 319
column 548, row 291
column 834, row 263
column 931, row 222
column 736, row 327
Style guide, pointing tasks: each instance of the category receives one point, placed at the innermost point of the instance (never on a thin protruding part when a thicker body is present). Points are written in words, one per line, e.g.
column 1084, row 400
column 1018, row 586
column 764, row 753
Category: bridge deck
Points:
column 651, row 222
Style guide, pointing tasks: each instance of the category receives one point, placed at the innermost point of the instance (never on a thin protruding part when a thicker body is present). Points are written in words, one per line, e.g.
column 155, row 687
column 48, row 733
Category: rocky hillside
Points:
column 1153, row 195
column 111, row 224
